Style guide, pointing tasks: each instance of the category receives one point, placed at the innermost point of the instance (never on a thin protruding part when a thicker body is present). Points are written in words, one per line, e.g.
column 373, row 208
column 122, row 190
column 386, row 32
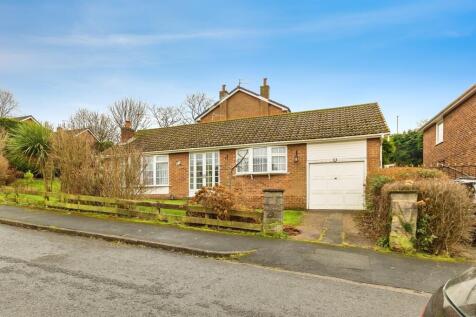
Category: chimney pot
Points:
column 223, row 92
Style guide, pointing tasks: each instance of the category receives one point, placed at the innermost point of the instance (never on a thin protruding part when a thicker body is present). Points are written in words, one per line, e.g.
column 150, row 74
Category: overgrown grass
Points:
column 293, row 217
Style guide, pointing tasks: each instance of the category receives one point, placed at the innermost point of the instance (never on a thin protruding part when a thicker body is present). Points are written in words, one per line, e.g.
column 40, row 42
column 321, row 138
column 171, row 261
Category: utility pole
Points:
column 397, row 124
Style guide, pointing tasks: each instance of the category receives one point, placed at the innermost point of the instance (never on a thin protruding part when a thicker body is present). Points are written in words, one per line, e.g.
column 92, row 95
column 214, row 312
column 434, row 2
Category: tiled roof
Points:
column 365, row 119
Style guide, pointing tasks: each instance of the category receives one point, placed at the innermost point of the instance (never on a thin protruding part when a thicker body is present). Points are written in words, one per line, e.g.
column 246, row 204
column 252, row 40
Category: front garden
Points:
column 445, row 211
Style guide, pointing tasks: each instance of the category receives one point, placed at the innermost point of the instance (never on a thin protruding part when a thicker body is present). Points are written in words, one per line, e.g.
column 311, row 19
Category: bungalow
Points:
column 249, row 142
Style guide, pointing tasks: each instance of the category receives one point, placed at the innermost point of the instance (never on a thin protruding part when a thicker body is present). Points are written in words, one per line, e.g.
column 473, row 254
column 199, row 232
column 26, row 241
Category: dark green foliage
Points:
column 388, row 151
column 408, row 148
column 8, row 124
column 104, row 145
column 424, row 237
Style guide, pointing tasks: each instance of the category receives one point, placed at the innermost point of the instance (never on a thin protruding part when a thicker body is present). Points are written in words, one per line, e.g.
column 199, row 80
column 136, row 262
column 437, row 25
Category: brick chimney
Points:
column 127, row 132
column 223, row 92
column 264, row 89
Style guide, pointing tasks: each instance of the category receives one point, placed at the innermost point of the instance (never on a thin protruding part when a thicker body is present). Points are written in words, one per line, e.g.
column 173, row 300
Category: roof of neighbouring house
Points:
column 471, row 91
column 24, row 118
column 356, row 120
column 246, row 91
column 76, row 132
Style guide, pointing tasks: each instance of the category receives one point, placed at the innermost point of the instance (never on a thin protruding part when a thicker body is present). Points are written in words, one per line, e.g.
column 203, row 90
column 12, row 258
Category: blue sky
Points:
column 413, row 57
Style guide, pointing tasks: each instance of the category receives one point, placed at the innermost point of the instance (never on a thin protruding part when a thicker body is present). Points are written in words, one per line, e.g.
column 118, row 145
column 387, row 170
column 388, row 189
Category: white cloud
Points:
column 137, row 39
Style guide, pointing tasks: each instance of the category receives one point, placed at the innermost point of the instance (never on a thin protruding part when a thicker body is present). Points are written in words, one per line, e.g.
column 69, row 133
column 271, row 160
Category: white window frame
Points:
column 269, row 160
column 192, row 183
column 439, row 134
column 155, row 159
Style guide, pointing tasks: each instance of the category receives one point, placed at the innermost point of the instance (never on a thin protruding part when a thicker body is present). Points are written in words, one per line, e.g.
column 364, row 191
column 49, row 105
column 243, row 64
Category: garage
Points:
column 336, row 185
column 336, row 175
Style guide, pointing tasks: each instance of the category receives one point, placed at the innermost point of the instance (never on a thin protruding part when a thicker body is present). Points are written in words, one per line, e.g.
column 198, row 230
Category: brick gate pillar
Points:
column 273, row 211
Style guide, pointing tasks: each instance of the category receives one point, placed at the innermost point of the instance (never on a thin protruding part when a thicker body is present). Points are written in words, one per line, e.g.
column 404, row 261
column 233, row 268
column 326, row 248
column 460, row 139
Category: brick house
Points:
column 449, row 138
column 249, row 142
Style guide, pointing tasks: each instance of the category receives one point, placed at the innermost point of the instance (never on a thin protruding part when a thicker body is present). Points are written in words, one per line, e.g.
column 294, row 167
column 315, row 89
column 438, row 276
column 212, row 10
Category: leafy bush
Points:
column 445, row 215
column 218, row 198
column 376, row 219
column 32, row 143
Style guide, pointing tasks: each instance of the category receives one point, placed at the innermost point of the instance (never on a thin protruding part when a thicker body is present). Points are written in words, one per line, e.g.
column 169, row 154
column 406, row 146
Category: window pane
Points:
column 278, row 150
column 199, row 170
column 192, row 171
column 217, row 168
column 260, row 160
column 209, row 169
column 278, row 163
column 161, row 174
column 148, row 174
column 243, row 157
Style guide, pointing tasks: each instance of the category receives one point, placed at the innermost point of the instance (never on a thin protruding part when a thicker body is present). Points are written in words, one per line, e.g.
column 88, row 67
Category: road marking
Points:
column 336, row 279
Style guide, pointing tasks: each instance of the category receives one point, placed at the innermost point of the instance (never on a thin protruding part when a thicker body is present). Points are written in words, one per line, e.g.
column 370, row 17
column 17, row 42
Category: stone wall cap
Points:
column 273, row 190
column 404, row 191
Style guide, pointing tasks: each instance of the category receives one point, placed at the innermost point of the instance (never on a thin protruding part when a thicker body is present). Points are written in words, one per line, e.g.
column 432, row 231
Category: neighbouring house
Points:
column 83, row 133
column 249, row 142
column 28, row 118
column 449, row 138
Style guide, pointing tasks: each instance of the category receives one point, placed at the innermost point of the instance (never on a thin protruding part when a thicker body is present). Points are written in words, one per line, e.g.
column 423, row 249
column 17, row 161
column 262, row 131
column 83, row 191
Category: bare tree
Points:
column 99, row 123
column 132, row 110
column 7, row 103
column 194, row 105
column 166, row 116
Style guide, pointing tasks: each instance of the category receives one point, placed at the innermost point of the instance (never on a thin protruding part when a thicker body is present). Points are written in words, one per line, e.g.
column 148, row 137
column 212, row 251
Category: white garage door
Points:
column 336, row 185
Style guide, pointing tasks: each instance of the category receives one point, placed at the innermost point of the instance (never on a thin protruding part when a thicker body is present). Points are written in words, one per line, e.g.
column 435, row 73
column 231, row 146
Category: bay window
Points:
column 156, row 170
column 262, row 160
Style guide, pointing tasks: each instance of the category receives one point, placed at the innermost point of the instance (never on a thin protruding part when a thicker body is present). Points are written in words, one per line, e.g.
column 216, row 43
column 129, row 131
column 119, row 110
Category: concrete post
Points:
column 273, row 211
column 404, row 213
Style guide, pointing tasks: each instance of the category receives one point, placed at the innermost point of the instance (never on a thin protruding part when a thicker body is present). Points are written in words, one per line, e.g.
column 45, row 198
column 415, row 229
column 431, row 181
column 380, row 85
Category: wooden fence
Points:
column 143, row 209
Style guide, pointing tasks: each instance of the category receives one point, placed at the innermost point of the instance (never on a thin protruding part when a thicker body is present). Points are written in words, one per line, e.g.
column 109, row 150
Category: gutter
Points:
column 237, row 146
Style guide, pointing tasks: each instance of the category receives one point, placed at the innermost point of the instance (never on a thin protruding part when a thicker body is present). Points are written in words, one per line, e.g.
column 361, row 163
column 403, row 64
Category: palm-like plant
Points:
column 32, row 143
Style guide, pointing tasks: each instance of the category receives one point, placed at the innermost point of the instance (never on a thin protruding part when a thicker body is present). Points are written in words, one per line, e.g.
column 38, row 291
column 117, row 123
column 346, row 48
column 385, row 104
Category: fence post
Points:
column 404, row 213
column 273, row 210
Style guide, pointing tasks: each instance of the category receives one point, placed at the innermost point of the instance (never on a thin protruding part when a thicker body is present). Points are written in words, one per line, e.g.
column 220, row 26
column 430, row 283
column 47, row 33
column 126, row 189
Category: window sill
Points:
column 438, row 143
column 259, row 174
column 155, row 186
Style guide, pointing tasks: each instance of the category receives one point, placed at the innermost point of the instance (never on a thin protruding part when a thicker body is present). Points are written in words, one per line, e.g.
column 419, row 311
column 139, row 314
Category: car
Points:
column 457, row 298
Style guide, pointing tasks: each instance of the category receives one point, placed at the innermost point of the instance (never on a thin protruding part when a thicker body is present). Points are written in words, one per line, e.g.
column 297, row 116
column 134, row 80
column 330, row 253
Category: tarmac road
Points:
column 49, row 274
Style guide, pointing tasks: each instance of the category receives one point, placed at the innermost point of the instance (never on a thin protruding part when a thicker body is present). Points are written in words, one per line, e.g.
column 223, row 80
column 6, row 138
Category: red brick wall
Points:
column 250, row 188
column 178, row 175
column 459, row 137
column 374, row 154
column 241, row 105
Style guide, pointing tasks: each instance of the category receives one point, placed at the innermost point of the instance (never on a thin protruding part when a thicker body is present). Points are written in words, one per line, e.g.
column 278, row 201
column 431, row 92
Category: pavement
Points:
column 46, row 274
column 352, row 264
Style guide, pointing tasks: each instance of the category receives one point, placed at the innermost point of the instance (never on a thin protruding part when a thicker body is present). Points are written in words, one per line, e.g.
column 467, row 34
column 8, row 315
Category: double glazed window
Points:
column 262, row 160
column 156, row 170
column 204, row 170
column 439, row 132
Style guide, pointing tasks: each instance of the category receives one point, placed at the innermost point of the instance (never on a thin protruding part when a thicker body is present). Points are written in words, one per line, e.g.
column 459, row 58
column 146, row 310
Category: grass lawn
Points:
column 38, row 184
column 293, row 217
